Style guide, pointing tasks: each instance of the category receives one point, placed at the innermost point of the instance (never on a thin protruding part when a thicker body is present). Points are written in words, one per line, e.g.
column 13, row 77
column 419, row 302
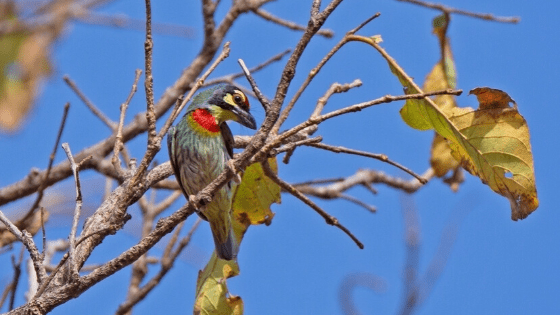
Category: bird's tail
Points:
column 228, row 248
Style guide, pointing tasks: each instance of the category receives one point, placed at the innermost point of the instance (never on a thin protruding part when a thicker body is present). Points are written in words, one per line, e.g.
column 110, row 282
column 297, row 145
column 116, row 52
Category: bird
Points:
column 200, row 146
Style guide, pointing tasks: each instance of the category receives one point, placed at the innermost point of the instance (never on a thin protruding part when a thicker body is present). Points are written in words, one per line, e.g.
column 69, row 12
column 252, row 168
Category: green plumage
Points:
column 200, row 146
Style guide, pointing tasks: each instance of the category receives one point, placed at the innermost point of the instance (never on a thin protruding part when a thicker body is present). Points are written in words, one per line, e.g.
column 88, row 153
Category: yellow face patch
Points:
column 238, row 98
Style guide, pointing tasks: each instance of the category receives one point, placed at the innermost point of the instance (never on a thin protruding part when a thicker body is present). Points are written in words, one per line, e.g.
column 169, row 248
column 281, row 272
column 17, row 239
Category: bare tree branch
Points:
column 449, row 10
column 20, row 223
column 296, row 193
column 167, row 262
column 126, row 22
column 118, row 137
column 73, row 270
column 381, row 157
column 313, row 73
column 27, row 240
column 96, row 111
column 353, row 281
column 291, row 25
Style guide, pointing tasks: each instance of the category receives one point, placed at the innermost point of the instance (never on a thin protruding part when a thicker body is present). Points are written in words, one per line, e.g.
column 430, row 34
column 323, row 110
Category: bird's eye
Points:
column 237, row 99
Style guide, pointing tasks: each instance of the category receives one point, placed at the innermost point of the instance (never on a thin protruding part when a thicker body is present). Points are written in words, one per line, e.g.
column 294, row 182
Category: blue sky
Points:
column 296, row 265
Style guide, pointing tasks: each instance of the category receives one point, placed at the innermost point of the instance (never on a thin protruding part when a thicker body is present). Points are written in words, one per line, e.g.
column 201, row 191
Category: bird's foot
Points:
column 236, row 176
column 204, row 199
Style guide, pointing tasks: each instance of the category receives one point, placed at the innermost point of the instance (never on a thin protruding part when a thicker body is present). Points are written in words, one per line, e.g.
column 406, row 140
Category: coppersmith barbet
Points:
column 200, row 146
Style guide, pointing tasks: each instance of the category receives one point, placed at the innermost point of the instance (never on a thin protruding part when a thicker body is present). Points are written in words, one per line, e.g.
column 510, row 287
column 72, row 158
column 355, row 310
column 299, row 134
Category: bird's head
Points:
column 225, row 102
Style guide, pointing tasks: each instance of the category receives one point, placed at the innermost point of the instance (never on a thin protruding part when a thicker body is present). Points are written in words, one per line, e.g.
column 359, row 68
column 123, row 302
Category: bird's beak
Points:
column 245, row 118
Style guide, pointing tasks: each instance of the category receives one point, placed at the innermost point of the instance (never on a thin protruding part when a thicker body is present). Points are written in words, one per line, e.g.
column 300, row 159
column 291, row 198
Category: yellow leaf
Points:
column 497, row 149
column 211, row 288
column 441, row 159
column 491, row 143
column 443, row 76
column 253, row 197
column 250, row 206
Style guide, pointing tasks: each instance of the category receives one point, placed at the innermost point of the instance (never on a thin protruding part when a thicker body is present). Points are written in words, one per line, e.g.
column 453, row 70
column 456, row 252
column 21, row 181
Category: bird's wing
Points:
column 228, row 138
column 173, row 159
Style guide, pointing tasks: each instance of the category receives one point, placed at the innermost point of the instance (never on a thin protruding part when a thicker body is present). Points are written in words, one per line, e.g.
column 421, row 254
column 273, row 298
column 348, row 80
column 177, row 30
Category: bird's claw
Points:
column 203, row 200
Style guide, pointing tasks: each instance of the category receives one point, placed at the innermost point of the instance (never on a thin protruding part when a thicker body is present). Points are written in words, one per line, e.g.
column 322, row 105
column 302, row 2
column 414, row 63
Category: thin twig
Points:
column 96, row 111
column 254, row 86
column 411, row 224
column 148, row 77
column 10, row 226
column 17, row 275
column 289, row 24
column 292, row 145
column 320, row 181
column 334, row 88
column 381, row 157
column 360, row 203
column 286, row 112
column 73, row 270
column 167, row 261
column 118, row 137
column 231, row 77
column 296, row 193
column 59, row 247
column 352, row 108
column 382, row 100
column 172, row 241
column 356, row 280
column 123, row 21
column 362, row 177
column 167, row 202
column 448, row 10
column 5, row 293
column 27, row 240
column 43, row 185
column 44, row 233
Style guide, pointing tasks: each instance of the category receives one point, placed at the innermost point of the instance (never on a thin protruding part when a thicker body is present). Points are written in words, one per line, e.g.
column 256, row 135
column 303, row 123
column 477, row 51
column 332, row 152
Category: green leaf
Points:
column 412, row 112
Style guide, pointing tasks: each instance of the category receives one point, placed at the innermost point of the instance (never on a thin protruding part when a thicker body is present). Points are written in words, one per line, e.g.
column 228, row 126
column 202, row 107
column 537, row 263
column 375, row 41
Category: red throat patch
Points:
column 205, row 120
